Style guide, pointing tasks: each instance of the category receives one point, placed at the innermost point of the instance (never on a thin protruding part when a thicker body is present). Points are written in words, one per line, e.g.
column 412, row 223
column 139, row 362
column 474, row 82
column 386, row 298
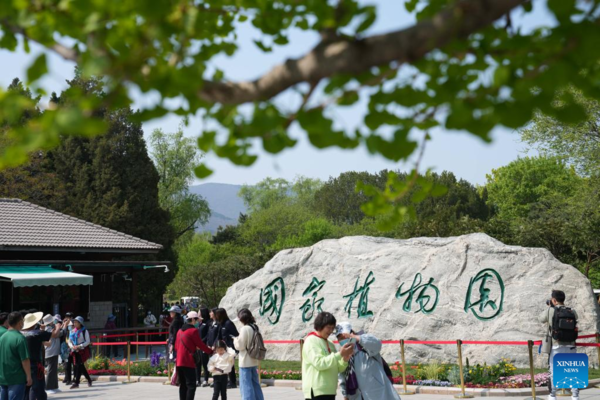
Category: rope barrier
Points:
column 147, row 343
column 587, row 336
column 129, row 335
column 110, row 344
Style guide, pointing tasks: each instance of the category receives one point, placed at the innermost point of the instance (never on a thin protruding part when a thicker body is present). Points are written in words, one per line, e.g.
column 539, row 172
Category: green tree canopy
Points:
column 175, row 158
column 578, row 143
column 109, row 180
column 462, row 65
column 516, row 189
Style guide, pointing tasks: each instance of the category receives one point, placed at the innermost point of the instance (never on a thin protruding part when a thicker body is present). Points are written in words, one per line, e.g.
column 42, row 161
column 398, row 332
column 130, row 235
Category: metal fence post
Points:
column 531, row 371
column 463, row 395
column 405, row 392
column 137, row 346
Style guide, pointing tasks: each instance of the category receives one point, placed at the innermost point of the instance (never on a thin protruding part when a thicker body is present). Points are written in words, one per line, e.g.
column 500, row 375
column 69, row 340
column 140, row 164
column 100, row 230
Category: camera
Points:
column 549, row 303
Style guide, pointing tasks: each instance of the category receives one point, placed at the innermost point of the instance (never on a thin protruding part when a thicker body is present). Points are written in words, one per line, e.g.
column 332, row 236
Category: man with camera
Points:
column 562, row 328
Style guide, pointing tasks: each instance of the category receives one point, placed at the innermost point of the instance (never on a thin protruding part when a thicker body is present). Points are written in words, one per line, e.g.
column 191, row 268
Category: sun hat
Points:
column 111, row 317
column 80, row 319
column 58, row 318
column 32, row 319
column 343, row 327
column 48, row 319
column 192, row 315
column 175, row 309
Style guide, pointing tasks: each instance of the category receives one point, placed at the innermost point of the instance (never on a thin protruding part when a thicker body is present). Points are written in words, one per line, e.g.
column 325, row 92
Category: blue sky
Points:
column 467, row 156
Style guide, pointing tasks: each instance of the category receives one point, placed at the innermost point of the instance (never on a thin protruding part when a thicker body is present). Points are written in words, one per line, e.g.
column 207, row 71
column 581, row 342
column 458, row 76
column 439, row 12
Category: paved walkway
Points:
column 157, row 391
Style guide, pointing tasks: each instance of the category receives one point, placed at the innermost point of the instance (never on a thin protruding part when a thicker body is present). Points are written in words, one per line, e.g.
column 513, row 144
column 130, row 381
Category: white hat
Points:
column 175, row 309
column 80, row 319
column 32, row 319
column 343, row 327
column 48, row 319
column 192, row 314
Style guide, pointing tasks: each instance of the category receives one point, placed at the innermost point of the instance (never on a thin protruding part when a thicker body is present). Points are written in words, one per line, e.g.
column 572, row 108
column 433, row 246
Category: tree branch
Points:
column 353, row 57
column 63, row 51
column 329, row 58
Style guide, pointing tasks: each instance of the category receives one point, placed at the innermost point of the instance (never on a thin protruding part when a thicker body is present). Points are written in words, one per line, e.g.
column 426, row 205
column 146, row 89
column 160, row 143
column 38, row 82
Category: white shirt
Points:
column 242, row 343
column 224, row 362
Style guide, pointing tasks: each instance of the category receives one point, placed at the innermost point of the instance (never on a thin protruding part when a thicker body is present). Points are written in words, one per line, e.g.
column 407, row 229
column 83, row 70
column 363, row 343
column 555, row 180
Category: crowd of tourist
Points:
column 208, row 342
column 31, row 345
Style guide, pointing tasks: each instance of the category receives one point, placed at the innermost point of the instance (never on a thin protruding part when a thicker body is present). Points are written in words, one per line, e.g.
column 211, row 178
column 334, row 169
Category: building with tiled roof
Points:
column 26, row 226
column 57, row 263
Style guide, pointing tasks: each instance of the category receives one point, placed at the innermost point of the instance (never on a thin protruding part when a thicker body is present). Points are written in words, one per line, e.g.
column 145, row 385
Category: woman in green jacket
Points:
column 321, row 364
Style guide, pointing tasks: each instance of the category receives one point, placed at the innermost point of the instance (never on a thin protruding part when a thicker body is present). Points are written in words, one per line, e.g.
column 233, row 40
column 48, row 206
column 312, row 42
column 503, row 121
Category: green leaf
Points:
column 348, row 98
column 281, row 40
column 262, row 46
column 411, row 5
column 242, row 18
column 202, row 171
column 369, row 19
column 501, row 75
column 37, row 69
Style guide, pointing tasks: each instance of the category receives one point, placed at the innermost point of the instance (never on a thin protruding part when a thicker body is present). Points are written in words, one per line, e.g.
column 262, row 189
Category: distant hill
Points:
column 224, row 203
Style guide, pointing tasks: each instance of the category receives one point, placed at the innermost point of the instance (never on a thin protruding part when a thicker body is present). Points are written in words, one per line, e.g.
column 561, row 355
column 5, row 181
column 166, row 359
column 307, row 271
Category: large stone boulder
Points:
column 471, row 287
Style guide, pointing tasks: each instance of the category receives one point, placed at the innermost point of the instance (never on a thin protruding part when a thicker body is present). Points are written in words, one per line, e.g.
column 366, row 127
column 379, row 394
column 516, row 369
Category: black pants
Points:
column 68, row 370
column 80, row 369
column 232, row 377
column 322, row 397
column 52, row 377
column 219, row 387
column 187, row 383
column 202, row 369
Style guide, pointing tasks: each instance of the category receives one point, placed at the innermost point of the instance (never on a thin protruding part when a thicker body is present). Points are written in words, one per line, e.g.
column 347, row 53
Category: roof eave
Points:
column 80, row 249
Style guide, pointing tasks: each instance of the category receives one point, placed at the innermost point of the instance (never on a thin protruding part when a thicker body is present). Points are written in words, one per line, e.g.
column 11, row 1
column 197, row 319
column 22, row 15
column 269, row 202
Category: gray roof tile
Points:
column 23, row 224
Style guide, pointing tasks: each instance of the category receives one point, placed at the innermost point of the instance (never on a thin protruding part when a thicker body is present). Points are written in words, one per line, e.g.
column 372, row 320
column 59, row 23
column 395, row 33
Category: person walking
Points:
column 561, row 322
column 321, row 364
column 249, row 384
column 36, row 336
column 202, row 365
column 52, row 352
column 365, row 378
column 227, row 331
column 220, row 365
column 187, row 341
column 79, row 342
column 15, row 368
column 66, row 351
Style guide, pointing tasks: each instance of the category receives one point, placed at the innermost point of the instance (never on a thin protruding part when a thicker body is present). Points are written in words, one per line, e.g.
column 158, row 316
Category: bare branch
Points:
column 357, row 56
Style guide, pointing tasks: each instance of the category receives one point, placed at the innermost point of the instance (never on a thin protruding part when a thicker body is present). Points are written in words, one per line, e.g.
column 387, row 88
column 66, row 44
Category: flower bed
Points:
column 290, row 375
column 437, row 374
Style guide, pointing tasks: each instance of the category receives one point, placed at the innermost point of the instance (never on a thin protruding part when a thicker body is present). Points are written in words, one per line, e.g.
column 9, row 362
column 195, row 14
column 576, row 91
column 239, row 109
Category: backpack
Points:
column 257, row 349
column 564, row 325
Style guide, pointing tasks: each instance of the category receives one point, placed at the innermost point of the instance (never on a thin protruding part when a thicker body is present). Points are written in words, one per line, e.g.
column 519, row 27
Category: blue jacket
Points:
column 373, row 384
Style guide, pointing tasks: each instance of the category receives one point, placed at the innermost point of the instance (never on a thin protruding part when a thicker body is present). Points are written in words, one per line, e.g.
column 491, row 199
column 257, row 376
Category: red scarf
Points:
column 319, row 336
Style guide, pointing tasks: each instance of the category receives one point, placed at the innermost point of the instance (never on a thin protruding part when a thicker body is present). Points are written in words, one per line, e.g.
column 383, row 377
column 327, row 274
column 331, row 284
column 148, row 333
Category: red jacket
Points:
column 186, row 343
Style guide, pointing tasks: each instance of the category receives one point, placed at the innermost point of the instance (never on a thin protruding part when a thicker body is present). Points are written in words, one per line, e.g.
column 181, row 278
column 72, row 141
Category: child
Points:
column 221, row 364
